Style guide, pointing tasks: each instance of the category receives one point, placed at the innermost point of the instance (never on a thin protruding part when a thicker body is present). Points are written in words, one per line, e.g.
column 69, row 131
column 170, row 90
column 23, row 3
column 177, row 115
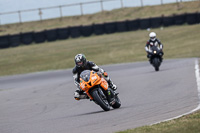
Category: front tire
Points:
column 156, row 68
column 156, row 64
column 100, row 100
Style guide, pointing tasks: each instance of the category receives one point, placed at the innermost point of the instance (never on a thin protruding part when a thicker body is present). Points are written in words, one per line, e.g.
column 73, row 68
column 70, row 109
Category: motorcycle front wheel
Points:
column 156, row 64
column 100, row 100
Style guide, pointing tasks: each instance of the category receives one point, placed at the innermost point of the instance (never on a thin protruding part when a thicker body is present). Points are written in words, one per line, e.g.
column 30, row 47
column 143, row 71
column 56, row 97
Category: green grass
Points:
column 179, row 42
column 185, row 124
column 106, row 16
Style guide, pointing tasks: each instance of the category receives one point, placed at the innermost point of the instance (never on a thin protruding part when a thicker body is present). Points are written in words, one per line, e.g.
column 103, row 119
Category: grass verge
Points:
column 186, row 124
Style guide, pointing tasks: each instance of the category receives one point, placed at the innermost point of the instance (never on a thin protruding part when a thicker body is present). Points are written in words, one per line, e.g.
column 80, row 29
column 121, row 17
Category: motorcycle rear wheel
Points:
column 117, row 102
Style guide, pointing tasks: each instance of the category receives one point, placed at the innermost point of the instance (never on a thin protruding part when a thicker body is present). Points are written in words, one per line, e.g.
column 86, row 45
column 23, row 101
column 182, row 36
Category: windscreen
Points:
column 154, row 48
column 85, row 75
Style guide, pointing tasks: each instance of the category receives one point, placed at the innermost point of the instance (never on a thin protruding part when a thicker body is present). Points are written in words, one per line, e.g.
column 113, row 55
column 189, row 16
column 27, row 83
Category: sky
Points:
column 20, row 5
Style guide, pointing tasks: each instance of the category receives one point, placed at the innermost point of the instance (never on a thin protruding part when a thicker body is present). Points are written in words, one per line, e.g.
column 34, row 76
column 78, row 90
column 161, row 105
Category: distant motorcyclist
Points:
column 81, row 65
column 153, row 41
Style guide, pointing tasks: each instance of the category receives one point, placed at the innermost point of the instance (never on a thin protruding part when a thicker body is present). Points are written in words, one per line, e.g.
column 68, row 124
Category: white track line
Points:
column 198, row 88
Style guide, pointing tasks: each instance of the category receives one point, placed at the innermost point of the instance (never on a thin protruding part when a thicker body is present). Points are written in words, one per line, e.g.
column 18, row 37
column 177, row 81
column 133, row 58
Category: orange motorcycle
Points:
column 97, row 89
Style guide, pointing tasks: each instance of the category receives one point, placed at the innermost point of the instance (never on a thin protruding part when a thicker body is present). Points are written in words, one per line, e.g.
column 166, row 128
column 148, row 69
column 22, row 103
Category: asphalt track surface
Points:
column 43, row 102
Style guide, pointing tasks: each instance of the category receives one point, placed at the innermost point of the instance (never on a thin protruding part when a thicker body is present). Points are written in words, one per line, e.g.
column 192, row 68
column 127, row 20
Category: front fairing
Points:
column 155, row 51
column 90, row 80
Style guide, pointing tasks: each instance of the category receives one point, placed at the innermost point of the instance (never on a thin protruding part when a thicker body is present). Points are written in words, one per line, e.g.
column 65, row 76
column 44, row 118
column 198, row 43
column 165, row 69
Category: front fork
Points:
column 110, row 96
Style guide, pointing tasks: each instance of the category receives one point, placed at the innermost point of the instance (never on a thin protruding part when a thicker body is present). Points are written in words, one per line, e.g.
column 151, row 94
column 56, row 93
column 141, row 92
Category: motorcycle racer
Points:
column 81, row 65
column 153, row 41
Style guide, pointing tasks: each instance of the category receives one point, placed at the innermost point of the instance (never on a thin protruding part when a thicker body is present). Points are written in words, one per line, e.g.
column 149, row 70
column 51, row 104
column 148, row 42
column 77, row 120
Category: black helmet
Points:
column 80, row 60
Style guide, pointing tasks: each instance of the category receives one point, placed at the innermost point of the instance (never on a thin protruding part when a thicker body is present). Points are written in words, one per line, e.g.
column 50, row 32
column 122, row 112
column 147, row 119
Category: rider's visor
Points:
column 80, row 63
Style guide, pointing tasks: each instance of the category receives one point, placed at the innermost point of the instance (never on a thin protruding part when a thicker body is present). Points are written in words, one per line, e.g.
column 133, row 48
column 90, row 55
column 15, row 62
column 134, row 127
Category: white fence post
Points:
column 81, row 7
column 101, row 5
column 20, row 18
column 40, row 14
column 60, row 7
column 161, row 1
column 122, row 5
column 141, row 3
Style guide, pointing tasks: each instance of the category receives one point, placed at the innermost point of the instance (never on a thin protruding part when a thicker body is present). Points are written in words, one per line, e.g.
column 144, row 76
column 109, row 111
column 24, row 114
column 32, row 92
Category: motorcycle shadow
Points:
column 161, row 70
column 90, row 113
column 97, row 112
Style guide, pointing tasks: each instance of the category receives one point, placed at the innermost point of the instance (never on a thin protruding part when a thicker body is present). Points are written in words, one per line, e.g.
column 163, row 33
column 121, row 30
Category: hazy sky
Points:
column 15, row 5
column 20, row 5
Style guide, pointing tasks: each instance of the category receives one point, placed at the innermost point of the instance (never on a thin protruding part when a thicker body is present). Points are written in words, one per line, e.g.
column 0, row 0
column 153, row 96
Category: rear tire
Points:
column 100, row 100
column 117, row 102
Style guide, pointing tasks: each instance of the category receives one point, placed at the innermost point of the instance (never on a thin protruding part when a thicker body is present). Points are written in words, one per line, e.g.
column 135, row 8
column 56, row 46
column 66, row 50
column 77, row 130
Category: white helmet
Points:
column 152, row 36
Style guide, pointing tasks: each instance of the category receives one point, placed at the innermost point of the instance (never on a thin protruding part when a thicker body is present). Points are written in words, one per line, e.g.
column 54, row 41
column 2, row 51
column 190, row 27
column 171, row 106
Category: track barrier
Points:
column 7, row 41
column 99, row 29
column 133, row 24
column 75, row 32
column 39, row 37
column 63, row 33
column 168, row 21
column 4, row 41
column 14, row 40
column 145, row 23
column 156, row 22
column 87, row 30
column 51, row 35
column 27, row 38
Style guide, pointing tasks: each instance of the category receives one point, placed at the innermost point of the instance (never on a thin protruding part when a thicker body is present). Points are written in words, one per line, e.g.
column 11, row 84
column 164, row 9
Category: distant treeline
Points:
column 27, row 38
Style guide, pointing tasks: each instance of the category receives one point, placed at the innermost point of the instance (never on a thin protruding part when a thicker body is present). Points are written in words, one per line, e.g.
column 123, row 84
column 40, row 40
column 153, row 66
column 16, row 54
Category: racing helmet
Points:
column 152, row 36
column 80, row 60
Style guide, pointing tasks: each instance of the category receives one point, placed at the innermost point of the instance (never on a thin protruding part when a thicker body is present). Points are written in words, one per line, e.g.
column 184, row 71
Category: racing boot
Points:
column 80, row 95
